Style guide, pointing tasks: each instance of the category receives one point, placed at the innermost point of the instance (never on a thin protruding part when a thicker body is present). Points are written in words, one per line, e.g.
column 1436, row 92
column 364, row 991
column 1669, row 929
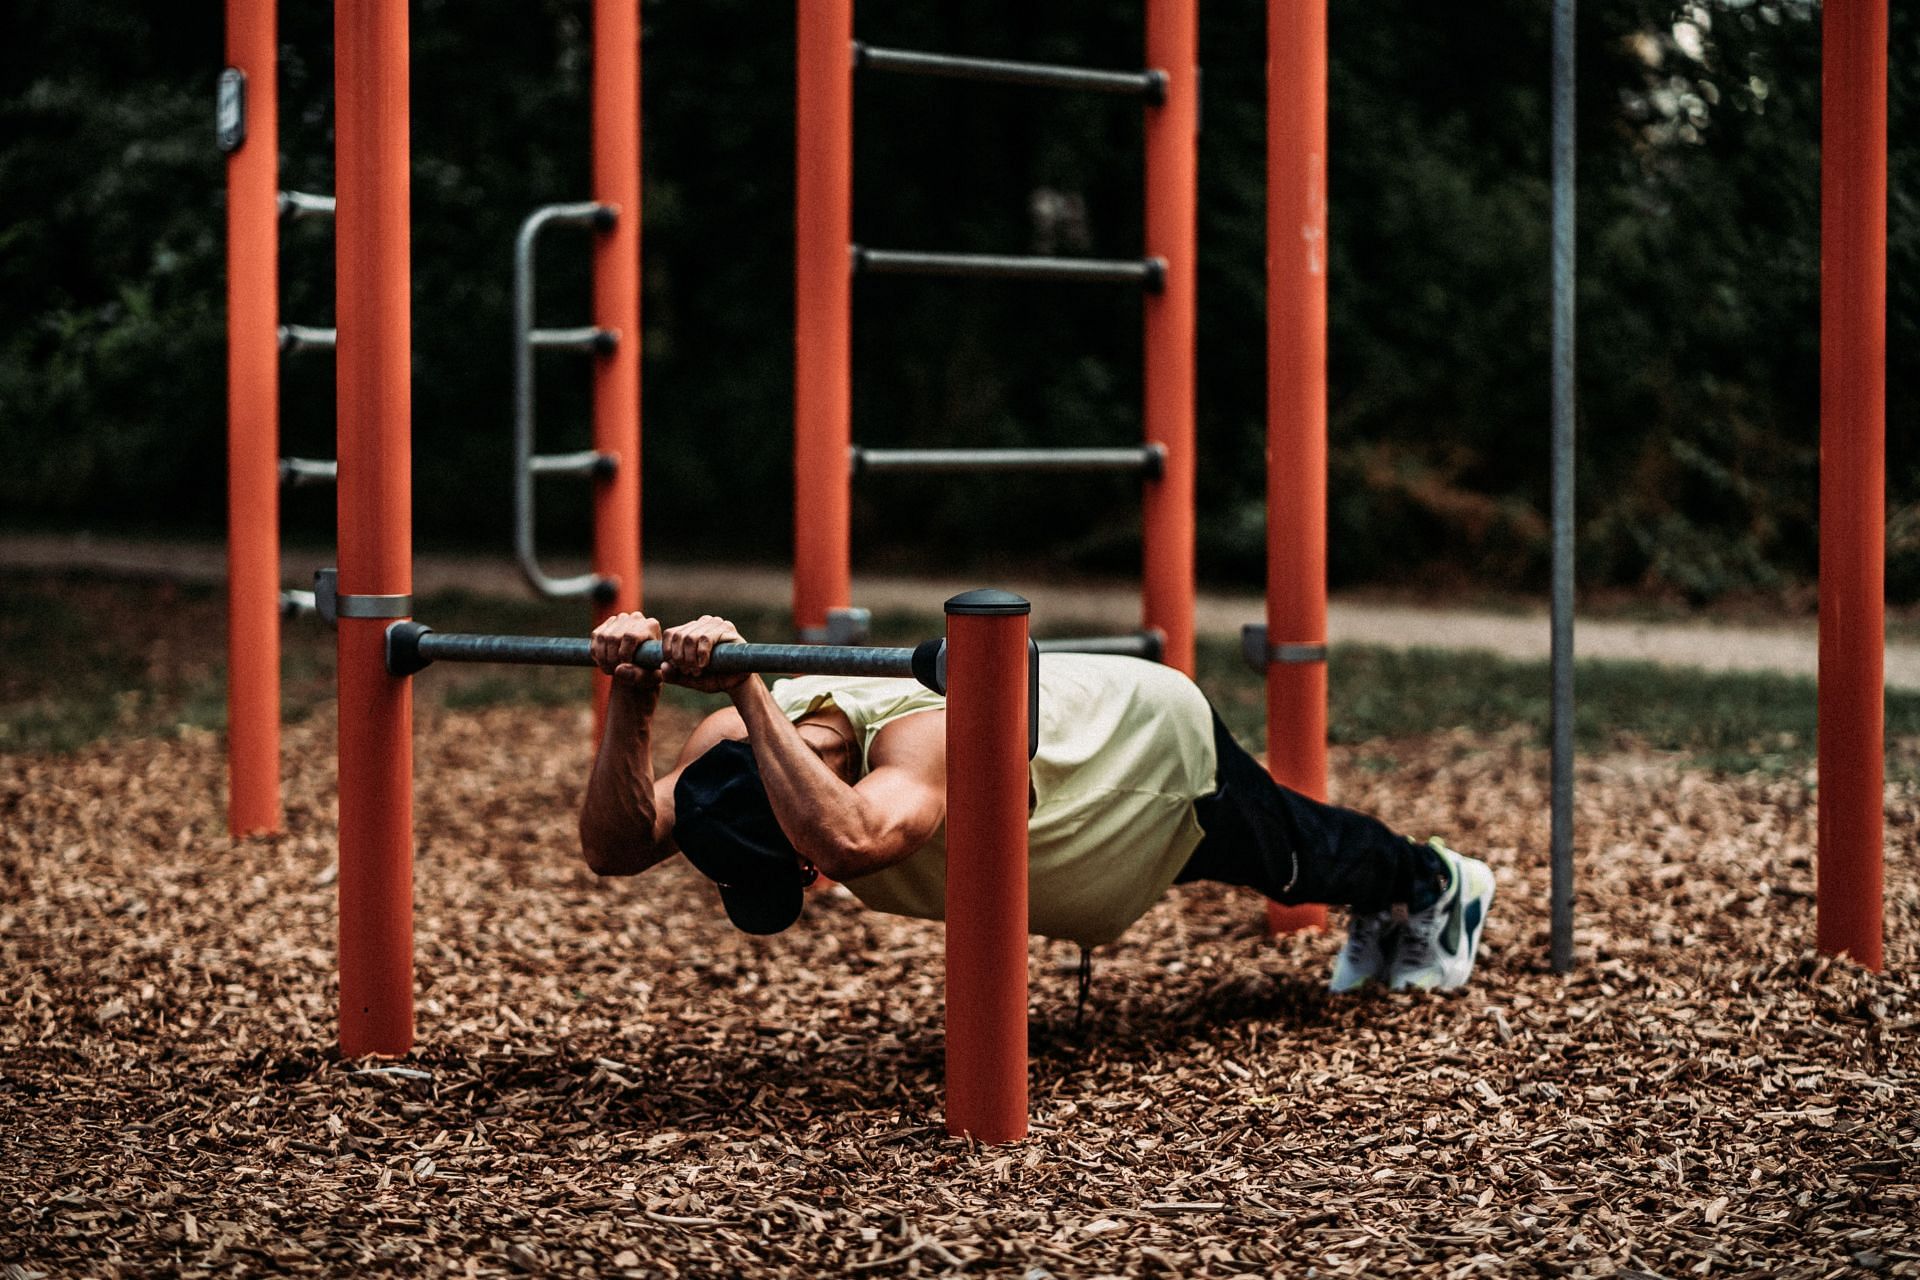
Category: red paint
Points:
column 253, row 430
column 987, row 876
column 1853, row 478
column 374, row 358
column 616, row 307
column 823, row 313
column 1173, row 157
column 1297, row 404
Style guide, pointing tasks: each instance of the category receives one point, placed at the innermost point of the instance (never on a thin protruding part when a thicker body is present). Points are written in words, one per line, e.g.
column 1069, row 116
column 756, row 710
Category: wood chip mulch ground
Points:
column 609, row 1081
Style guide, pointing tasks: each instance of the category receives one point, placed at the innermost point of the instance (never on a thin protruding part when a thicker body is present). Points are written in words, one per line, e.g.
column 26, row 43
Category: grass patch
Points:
column 85, row 656
column 1734, row 721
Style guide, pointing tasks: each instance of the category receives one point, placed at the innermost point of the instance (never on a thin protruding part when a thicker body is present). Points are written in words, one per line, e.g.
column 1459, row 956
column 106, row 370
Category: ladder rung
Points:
column 1149, row 460
column 295, row 205
column 298, row 604
column 298, row 473
column 584, row 338
column 1150, row 273
column 1140, row 644
column 301, row 337
column 1151, row 85
column 586, row 462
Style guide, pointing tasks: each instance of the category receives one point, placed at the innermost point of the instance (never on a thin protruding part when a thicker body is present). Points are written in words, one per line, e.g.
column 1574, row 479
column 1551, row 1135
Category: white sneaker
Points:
column 1436, row 947
column 1364, row 958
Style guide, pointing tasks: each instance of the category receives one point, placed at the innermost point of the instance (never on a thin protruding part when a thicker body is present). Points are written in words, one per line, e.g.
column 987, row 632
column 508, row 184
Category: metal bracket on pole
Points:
column 1033, row 699
column 527, row 338
column 230, row 110
column 849, row 626
column 332, row 606
column 1259, row 655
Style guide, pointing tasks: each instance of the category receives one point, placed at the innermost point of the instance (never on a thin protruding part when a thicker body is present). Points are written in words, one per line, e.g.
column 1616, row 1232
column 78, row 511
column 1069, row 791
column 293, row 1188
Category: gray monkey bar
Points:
column 1151, row 85
column 1150, row 460
column 1148, row 273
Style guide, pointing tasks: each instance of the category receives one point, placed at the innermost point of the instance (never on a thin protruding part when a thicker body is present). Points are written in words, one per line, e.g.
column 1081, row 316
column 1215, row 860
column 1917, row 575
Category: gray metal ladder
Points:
column 1149, row 274
column 298, row 473
column 527, row 339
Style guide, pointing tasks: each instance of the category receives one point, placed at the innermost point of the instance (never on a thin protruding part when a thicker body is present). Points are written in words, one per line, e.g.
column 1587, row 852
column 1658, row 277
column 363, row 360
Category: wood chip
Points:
column 610, row 1080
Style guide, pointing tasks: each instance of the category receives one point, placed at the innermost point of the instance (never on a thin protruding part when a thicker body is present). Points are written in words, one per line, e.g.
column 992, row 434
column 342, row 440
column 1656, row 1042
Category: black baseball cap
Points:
column 724, row 823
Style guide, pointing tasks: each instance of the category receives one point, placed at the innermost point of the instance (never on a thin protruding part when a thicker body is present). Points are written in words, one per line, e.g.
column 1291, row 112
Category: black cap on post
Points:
column 989, row 602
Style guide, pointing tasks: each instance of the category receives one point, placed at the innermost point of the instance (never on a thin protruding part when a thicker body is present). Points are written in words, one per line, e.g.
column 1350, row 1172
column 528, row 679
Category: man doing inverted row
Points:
column 1136, row 786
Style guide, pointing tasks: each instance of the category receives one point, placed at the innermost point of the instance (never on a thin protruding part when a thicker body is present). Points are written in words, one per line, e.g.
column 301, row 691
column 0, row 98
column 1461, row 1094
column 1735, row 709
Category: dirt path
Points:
column 1789, row 648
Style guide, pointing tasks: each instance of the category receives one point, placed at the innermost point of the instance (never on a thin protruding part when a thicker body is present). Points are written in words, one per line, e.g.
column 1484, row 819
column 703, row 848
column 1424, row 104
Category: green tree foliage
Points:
column 1699, row 135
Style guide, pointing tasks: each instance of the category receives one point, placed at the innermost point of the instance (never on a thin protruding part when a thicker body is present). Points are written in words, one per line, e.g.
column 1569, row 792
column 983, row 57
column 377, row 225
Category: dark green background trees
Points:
column 1699, row 130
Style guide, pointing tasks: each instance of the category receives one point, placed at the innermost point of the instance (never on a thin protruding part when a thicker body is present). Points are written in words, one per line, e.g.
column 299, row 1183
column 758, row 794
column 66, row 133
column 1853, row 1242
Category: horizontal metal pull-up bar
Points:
column 1151, row 85
column 411, row 646
column 1148, row 273
column 1149, row 645
column 1150, row 460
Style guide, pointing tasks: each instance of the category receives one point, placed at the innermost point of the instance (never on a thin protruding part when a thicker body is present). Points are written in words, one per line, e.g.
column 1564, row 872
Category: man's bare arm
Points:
column 845, row 831
column 626, row 820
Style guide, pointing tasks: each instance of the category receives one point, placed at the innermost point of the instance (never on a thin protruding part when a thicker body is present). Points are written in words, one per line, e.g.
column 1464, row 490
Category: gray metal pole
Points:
column 1563, row 482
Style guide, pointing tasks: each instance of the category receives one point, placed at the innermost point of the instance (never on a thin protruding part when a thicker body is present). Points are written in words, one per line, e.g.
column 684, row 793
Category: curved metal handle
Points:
column 526, row 337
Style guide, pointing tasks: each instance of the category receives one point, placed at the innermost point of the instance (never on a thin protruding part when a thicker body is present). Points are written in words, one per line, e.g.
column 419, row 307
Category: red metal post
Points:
column 1173, row 161
column 987, row 726
column 253, row 427
column 1853, row 477
column 616, row 306
column 1297, row 408
column 375, row 413
column 823, row 314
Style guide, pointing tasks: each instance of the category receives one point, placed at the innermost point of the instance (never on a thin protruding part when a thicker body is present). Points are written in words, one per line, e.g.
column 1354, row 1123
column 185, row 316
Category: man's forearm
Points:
column 619, row 820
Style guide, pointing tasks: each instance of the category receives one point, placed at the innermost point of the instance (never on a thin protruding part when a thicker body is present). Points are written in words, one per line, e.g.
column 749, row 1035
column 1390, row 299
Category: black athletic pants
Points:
column 1295, row 850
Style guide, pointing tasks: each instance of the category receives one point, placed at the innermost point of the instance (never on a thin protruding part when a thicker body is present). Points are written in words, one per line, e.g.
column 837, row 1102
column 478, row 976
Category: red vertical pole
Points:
column 987, row 725
column 823, row 314
column 616, row 306
column 376, row 574
column 253, row 427
column 1853, row 477
column 1297, row 409
column 1173, row 162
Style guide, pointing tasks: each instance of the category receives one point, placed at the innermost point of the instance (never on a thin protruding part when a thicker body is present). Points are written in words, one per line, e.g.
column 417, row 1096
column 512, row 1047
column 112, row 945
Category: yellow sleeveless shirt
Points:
column 1126, row 747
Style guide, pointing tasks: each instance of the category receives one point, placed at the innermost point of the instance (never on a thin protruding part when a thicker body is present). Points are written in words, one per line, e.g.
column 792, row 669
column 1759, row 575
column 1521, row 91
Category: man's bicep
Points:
column 913, row 807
